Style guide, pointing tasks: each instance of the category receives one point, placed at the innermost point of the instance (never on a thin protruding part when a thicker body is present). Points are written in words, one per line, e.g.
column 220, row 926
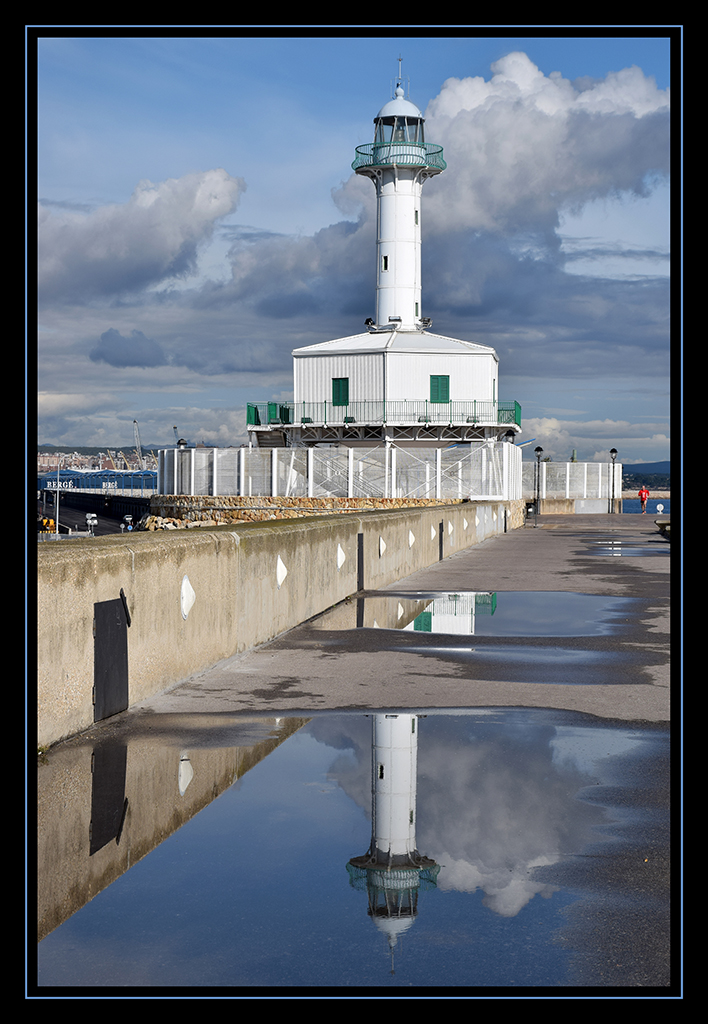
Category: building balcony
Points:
column 294, row 414
column 399, row 154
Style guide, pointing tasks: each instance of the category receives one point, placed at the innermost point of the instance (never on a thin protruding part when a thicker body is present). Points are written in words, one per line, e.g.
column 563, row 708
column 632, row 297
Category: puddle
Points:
column 433, row 849
column 489, row 613
column 617, row 547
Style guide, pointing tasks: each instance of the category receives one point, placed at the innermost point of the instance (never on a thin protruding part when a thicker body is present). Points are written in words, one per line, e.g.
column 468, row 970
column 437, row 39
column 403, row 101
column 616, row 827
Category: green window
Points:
column 439, row 389
column 340, row 391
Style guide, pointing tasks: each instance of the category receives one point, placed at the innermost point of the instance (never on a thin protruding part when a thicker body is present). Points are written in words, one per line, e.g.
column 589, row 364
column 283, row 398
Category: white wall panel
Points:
column 471, row 376
column 313, row 377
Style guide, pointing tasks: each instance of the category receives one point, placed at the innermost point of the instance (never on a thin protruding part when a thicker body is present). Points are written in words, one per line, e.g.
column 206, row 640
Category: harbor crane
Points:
column 138, row 446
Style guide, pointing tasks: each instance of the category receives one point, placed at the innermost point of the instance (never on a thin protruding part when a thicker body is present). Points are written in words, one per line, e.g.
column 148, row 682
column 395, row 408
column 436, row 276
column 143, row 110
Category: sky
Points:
column 198, row 219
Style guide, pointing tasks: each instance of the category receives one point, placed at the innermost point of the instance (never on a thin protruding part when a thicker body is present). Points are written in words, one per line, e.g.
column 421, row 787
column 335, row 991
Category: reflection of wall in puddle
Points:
column 102, row 808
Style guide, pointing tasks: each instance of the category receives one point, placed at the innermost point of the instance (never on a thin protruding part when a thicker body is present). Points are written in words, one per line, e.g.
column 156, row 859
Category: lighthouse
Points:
column 397, row 383
column 399, row 161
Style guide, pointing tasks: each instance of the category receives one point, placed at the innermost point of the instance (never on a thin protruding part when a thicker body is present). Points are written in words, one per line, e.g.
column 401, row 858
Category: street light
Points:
column 538, row 452
column 613, row 456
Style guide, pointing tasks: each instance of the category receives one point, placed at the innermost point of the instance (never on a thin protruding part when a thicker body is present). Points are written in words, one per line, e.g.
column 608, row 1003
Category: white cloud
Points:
column 594, row 438
column 61, row 404
column 153, row 237
column 522, row 146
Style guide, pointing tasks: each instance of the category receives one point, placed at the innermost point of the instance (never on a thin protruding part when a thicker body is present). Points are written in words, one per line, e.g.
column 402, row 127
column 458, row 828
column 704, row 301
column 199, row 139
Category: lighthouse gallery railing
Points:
column 407, row 154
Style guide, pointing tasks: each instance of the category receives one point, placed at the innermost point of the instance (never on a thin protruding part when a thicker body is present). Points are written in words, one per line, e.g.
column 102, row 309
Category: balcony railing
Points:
column 400, row 154
column 265, row 414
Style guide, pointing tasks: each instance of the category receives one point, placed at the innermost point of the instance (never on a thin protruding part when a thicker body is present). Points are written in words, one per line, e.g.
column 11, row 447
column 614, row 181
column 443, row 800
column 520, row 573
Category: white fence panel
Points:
column 483, row 471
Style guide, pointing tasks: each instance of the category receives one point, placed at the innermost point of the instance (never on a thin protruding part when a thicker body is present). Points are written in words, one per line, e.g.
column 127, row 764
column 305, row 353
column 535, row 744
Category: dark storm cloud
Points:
column 134, row 350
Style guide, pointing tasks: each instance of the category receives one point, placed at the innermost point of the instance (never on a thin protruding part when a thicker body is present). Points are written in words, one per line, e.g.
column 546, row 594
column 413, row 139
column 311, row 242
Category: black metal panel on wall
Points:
column 110, row 657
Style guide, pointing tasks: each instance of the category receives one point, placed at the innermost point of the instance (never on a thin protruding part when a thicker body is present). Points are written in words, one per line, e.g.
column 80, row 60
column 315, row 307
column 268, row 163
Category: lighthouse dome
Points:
column 399, row 120
column 399, row 107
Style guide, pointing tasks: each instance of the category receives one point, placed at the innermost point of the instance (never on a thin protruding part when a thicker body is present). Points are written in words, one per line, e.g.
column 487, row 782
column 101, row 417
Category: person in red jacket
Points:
column 643, row 495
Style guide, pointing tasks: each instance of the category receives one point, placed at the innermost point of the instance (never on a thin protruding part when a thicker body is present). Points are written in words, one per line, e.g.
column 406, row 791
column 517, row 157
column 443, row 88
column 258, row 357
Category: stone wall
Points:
column 185, row 511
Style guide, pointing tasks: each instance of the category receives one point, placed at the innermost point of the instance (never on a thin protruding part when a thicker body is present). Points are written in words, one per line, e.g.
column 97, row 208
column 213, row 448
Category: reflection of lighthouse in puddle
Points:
column 393, row 871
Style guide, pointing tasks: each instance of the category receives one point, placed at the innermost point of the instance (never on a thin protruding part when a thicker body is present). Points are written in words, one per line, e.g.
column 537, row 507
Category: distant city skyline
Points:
column 199, row 219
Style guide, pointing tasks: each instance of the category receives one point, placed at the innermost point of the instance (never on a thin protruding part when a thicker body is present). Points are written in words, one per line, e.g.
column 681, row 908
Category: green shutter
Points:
column 439, row 389
column 423, row 623
column 340, row 391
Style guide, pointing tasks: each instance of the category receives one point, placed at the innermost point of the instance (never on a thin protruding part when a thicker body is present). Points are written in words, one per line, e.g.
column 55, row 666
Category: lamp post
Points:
column 538, row 452
column 613, row 456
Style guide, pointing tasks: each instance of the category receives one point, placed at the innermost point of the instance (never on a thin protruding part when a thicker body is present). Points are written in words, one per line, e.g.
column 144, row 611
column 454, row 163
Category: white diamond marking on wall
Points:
column 382, row 546
column 411, row 539
column 280, row 572
column 341, row 557
column 187, row 597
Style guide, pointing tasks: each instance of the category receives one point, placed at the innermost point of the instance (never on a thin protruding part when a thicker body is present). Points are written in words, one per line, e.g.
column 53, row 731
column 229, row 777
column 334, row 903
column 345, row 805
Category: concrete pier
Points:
column 618, row 672
column 122, row 618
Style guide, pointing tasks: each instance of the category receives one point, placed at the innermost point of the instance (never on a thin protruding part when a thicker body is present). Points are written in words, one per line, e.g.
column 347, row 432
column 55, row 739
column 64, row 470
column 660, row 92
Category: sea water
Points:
column 633, row 505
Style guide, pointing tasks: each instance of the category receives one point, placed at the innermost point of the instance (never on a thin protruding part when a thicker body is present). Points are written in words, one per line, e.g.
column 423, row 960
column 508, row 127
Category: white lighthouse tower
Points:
column 399, row 162
column 398, row 383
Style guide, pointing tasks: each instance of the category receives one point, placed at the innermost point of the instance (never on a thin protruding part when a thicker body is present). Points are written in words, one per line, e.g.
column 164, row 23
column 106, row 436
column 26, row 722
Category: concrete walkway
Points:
column 611, row 662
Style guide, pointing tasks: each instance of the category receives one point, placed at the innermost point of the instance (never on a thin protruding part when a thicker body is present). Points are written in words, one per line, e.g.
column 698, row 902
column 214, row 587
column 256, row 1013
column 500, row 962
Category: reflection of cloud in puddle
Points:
column 493, row 808
column 496, row 797
column 583, row 748
column 503, row 895
column 525, row 655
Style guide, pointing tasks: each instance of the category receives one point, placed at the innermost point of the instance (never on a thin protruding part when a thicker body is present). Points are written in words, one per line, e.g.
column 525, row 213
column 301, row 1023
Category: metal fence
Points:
column 572, row 480
column 489, row 470
column 263, row 414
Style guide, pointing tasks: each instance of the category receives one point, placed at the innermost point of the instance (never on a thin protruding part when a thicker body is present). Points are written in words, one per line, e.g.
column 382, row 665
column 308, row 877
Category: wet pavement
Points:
column 233, row 833
column 614, row 662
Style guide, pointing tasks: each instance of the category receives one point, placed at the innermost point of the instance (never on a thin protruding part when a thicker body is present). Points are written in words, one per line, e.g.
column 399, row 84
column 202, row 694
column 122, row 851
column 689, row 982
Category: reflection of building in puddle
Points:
column 393, row 871
column 445, row 613
column 454, row 613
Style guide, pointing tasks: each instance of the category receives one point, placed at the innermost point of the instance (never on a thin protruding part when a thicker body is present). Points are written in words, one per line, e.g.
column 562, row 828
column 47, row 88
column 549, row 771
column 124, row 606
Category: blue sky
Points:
column 199, row 219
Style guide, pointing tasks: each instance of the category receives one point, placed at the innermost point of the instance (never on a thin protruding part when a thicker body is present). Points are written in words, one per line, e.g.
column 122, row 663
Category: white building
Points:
column 397, row 383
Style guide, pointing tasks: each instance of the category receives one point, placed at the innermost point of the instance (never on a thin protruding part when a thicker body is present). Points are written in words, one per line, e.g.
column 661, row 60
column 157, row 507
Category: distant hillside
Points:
column 647, row 467
column 652, row 474
column 67, row 449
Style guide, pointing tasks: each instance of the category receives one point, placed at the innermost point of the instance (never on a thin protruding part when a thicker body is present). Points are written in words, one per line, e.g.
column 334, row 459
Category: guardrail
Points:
column 406, row 154
column 266, row 414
